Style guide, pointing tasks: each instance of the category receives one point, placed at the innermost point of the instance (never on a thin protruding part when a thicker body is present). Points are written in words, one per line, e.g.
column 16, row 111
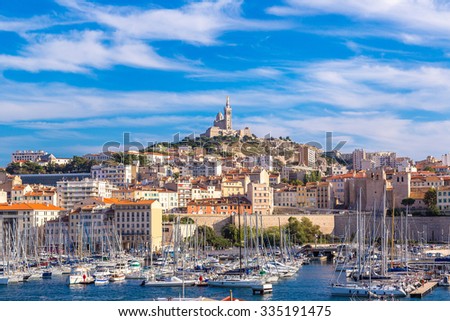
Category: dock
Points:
column 423, row 290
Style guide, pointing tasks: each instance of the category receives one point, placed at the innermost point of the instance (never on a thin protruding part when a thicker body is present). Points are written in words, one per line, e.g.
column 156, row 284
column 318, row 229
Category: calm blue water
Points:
column 310, row 284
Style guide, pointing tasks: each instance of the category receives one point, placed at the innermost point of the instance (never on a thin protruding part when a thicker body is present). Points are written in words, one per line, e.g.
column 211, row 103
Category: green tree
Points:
column 271, row 236
column 168, row 218
column 314, row 176
column 186, row 220
column 295, row 182
column 303, row 231
column 207, row 236
column 231, row 233
column 430, row 200
column 408, row 201
column 25, row 168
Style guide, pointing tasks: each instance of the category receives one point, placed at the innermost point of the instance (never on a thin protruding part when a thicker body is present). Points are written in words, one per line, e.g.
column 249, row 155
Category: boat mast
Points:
column 383, row 235
column 239, row 233
column 392, row 229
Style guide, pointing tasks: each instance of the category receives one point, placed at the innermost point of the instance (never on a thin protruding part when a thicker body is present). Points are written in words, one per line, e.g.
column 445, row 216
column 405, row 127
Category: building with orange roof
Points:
column 91, row 228
column 71, row 192
column 234, row 185
column 339, row 185
column 274, row 179
column 202, row 192
column 18, row 192
column 261, row 197
column 307, row 195
column 139, row 224
column 426, row 180
column 43, row 195
column 20, row 217
column 220, row 206
column 167, row 198
column 287, row 196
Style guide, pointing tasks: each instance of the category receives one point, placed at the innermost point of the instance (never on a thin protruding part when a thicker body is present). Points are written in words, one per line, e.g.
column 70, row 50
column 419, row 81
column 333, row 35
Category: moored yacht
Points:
column 80, row 275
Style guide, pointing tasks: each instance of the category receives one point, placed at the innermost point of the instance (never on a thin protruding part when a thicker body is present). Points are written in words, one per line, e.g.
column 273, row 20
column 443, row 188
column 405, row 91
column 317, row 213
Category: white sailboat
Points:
column 236, row 282
column 171, row 281
column 80, row 275
column 365, row 290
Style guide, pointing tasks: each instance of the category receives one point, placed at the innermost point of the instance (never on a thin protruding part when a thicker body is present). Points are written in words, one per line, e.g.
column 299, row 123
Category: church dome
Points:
column 219, row 116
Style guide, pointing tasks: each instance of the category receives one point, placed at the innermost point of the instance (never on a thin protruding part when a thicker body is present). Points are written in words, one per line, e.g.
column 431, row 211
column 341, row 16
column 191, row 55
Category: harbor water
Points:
column 311, row 283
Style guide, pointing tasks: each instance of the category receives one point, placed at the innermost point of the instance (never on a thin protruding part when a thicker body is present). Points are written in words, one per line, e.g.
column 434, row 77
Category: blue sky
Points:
column 76, row 74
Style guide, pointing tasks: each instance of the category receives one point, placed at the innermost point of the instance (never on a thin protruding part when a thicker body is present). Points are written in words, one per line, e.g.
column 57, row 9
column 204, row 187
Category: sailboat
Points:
column 362, row 289
column 170, row 281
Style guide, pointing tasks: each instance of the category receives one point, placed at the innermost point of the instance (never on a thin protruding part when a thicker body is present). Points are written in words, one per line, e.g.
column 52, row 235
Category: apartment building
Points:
column 27, row 156
column 19, row 217
column 119, row 175
column 71, row 192
column 231, row 205
column 285, row 197
column 261, row 198
column 139, row 224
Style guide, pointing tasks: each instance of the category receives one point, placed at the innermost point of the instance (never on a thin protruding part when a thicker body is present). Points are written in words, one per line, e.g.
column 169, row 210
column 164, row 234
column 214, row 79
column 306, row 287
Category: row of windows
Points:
column 128, row 214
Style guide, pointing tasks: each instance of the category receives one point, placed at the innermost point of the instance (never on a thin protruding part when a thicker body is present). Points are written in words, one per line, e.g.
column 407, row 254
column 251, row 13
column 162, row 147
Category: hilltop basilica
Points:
column 222, row 125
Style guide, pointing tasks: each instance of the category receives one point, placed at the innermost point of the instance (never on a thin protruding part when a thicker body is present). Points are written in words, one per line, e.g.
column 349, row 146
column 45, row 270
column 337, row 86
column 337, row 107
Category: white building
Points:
column 156, row 158
column 443, row 198
column 367, row 164
column 92, row 225
column 100, row 157
column 203, row 192
column 120, row 175
column 338, row 169
column 404, row 164
column 19, row 217
column 168, row 200
column 383, row 159
column 358, row 156
column 3, row 197
column 18, row 193
column 210, row 167
column 446, row 159
column 261, row 197
column 263, row 161
column 71, row 192
column 139, row 224
column 286, row 197
column 307, row 156
column 27, row 155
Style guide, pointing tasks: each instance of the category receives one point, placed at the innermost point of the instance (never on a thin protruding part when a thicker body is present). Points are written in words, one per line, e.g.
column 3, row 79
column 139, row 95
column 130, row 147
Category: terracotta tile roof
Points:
column 29, row 206
column 125, row 202
column 19, row 187
column 40, row 193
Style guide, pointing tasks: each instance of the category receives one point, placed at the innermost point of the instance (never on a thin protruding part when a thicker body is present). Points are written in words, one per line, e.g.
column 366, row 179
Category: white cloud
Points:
column 356, row 85
column 23, row 25
column 364, row 83
column 82, row 51
column 382, row 132
column 199, row 22
column 413, row 21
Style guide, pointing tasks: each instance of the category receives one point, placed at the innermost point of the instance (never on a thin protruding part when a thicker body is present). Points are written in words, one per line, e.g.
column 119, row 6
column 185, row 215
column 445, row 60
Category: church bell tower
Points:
column 227, row 112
